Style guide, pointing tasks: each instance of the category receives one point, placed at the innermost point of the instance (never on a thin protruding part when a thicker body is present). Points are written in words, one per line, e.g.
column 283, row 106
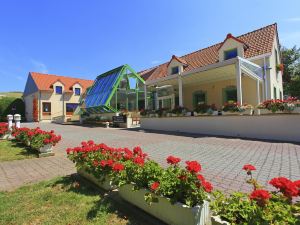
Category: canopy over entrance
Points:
column 118, row 89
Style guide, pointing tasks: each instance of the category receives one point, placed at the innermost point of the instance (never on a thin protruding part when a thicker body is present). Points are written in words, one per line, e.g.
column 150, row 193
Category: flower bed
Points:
column 37, row 139
column 3, row 130
column 260, row 206
column 180, row 188
column 290, row 105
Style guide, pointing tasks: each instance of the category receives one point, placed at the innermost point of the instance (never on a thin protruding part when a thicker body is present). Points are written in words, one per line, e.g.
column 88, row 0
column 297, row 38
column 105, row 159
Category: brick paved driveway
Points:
column 222, row 159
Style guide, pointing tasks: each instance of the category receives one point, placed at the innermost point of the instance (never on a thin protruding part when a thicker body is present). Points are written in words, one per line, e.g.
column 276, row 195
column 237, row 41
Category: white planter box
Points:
column 177, row 214
column 216, row 220
column 106, row 185
column 230, row 113
column 248, row 112
column 45, row 148
column 296, row 110
column 4, row 137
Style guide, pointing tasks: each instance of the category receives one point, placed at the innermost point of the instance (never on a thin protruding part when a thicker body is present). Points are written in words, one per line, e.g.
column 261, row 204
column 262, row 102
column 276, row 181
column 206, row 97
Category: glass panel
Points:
column 132, row 83
column 231, row 95
column 77, row 91
column 58, row 90
column 175, row 70
column 46, row 107
column 71, row 107
column 199, row 98
column 167, row 103
column 230, row 54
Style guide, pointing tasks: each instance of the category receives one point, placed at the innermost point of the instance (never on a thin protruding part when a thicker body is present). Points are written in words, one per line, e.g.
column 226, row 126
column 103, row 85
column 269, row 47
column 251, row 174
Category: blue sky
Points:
column 85, row 38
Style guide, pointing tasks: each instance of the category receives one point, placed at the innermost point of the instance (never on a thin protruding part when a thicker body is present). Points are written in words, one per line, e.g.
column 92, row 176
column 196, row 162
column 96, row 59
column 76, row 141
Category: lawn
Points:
column 10, row 150
column 64, row 200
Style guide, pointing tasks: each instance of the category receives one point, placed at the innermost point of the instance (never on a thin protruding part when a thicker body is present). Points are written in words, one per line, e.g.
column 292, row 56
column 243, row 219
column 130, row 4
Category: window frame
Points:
column 197, row 93
column 230, row 50
column 77, row 93
column 174, row 72
column 46, row 113
column 71, row 112
column 229, row 88
column 58, row 86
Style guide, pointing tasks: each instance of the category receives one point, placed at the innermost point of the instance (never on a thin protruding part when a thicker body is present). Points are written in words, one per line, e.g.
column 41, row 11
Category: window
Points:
column 280, row 95
column 199, row 98
column 58, row 90
column 132, row 83
column 230, row 94
column 229, row 54
column 275, row 93
column 46, row 108
column 175, row 70
column 70, row 108
column 77, row 91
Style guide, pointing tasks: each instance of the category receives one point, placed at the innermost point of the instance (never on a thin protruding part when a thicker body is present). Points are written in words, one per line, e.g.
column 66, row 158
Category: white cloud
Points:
column 293, row 19
column 39, row 66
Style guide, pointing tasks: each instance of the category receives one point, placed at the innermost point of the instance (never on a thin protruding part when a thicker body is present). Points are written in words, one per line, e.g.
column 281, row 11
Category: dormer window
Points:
column 58, row 90
column 229, row 54
column 77, row 91
column 175, row 70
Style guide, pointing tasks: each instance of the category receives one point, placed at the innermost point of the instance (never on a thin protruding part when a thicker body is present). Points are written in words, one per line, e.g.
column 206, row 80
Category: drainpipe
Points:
column 265, row 80
column 40, row 105
column 63, row 106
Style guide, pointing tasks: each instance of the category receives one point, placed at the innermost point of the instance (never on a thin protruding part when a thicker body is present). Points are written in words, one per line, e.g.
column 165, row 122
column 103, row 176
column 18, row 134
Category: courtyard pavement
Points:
column 221, row 158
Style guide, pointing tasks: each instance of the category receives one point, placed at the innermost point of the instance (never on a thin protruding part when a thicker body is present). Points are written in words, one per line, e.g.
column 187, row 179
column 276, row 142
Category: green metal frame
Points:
column 123, row 72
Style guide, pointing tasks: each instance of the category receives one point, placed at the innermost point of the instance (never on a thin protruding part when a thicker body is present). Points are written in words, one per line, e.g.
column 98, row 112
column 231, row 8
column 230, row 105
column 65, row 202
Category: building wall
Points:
column 214, row 92
column 28, row 100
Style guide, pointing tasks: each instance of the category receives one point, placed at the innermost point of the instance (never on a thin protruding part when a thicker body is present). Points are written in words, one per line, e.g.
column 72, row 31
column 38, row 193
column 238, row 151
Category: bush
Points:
column 6, row 107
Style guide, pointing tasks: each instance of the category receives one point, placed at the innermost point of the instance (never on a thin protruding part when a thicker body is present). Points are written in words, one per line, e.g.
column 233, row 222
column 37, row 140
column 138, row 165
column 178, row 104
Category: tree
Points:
column 291, row 74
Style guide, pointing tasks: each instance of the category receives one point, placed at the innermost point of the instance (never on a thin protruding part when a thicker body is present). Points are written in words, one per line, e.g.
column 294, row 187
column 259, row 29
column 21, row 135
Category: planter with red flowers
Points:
column 37, row 139
column 260, row 206
column 174, row 195
column 231, row 108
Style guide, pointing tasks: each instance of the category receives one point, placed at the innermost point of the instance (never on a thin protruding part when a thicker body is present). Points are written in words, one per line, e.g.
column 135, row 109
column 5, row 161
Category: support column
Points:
column 145, row 96
column 239, row 82
column 266, row 81
column 258, row 91
column 180, row 91
column 156, row 100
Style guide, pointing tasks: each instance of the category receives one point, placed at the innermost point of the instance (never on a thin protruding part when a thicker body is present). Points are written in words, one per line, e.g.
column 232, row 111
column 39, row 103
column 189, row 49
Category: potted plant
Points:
column 280, row 67
column 273, row 105
column 260, row 206
column 43, row 141
column 246, row 109
column 231, row 108
column 174, row 195
column 179, row 111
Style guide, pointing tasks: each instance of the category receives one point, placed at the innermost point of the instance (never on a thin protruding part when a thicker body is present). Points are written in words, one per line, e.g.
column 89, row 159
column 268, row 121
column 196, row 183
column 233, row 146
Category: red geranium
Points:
column 137, row 151
column 200, row 178
column 249, row 167
column 118, row 167
column 139, row 161
column 260, row 196
column 207, row 186
column 173, row 160
column 285, row 186
column 193, row 166
column 103, row 163
column 154, row 186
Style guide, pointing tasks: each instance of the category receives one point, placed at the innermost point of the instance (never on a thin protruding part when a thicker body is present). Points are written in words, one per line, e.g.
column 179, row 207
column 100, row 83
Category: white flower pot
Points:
column 105, row 185
column 188, row 114
column 173, row 114
column 248, row 112
column 296, row 110
column 27, row 143
column 195, row 114
column 169, row 114
column 215, row 113
column 216, row 220
column 4, row 137
column 177, row 214
column 46, row 149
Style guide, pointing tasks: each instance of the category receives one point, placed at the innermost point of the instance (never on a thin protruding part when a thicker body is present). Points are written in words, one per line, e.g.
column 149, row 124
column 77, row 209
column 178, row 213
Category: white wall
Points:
column 272, row 127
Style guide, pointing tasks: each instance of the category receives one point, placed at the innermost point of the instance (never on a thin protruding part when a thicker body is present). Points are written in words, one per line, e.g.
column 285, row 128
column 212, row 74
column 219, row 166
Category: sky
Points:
column 84, row 38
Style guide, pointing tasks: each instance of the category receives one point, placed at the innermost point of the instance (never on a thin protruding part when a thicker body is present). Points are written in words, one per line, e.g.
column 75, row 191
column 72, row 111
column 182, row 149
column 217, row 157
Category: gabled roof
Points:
column 44, row 82
column 230, row 36
column 258, row 42
column 174, row 57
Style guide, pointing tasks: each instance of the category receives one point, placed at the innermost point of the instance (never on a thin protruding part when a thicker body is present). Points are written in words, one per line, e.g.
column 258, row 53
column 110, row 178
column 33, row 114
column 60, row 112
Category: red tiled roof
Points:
column 44, row 82
column 258, row 42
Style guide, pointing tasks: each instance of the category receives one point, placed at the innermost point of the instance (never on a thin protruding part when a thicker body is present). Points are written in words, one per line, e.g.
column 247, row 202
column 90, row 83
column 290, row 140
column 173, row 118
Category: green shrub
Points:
column 8, row 103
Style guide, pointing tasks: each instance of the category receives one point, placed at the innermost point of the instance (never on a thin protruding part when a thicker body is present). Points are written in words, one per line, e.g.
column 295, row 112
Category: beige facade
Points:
column 235, row 73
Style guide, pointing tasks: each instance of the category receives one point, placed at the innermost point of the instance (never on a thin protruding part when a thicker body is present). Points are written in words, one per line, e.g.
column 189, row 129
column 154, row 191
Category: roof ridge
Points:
column 223, row 41
column 59, row 76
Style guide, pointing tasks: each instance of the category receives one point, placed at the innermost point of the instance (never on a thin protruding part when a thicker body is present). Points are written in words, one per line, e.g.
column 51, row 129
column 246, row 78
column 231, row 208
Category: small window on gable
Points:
column 229, row 54
column 58, row 90
column 77, row 91
column 175, row 70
